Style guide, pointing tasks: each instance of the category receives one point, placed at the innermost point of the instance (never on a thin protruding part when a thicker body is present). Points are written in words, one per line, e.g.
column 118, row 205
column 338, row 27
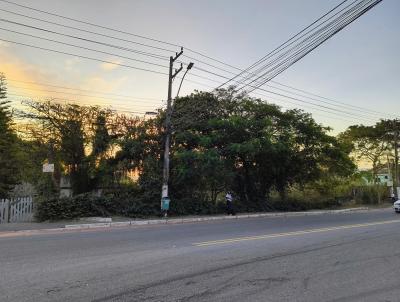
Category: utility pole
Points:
column 396, row 156
column 390, row 175
column 172, row 74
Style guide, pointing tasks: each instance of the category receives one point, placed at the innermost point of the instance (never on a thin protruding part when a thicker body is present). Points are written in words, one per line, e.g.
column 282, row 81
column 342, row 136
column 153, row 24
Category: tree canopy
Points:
column 9, row 165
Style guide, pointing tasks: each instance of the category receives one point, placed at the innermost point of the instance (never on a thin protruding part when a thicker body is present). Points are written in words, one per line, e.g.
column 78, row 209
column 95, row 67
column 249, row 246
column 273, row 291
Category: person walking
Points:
column 229, row 204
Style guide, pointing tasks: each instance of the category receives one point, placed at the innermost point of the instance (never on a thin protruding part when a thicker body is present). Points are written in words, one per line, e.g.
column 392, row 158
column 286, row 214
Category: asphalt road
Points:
column 342, row 257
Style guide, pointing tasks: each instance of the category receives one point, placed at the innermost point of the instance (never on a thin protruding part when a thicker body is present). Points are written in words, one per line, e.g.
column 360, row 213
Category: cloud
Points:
column 20, row 75
column 110, row 66
column 24, row 78
column 98, row 83
column 4, row 44
column 71, row 63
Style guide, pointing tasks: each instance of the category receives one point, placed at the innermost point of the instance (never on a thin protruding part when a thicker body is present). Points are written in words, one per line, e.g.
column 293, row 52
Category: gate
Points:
column 16, row 210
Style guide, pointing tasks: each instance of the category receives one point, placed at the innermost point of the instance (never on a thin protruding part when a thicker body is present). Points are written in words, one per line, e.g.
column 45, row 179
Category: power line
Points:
column 141, row 36
column 297, row 102
column 342, row 104
column 91, row 32
column 337, row 115
column 289, row 97
column 120, row 109
column 298, row 38
column 84, row 90
column 192, row 81
column 83, row 57
column 281, row 45
column 348, row 107
column 284, row 101
column 107, row 28
column 311, row 46
column 91, row 24
column 123, row 65
column 329, row 99
column 84, row 30
column 77, row 94
column 85, row 39
column 82, row 47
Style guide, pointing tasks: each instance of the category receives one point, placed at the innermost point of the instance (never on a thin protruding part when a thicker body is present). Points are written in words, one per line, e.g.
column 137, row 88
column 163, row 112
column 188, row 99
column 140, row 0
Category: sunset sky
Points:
column 358, row 66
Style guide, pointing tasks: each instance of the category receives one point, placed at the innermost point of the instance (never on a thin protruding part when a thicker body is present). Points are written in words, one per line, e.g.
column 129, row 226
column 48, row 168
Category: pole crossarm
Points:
column 177, row 71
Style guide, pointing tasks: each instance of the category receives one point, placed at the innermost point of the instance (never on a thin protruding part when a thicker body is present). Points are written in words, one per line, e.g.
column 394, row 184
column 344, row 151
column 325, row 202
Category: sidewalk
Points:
column 79, row 224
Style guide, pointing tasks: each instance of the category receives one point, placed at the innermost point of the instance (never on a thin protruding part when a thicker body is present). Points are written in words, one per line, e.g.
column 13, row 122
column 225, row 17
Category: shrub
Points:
column 371, row 194
column 293, row 204
column 122, row 203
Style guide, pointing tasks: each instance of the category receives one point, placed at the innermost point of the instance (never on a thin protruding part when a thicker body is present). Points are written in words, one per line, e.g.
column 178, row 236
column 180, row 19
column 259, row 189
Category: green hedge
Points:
column 136, row 203
column 86, row 205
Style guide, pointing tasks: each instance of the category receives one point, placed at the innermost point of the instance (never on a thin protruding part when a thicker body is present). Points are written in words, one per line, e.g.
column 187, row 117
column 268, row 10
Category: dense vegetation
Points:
column 9, row 164
column 269, row 158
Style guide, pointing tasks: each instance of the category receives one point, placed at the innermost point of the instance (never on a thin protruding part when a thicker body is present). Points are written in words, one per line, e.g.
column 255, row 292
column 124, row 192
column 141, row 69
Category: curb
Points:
column 201, row 219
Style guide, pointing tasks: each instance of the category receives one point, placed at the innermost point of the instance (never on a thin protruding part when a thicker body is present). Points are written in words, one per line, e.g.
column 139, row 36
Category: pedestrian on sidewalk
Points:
column 229, row 204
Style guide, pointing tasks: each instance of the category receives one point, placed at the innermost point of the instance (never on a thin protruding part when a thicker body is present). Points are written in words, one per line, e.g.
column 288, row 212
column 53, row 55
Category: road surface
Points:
column 342, row 257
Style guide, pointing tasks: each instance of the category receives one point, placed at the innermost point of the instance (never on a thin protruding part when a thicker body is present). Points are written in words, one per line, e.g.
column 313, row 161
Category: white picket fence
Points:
column 16, row 210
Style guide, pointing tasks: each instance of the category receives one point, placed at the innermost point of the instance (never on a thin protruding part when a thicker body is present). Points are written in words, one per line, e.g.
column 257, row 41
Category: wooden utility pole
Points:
column 172, row 74
column 396, row 155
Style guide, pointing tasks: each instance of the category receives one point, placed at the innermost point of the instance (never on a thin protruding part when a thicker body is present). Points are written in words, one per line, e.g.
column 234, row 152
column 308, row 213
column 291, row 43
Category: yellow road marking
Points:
column 310, row 231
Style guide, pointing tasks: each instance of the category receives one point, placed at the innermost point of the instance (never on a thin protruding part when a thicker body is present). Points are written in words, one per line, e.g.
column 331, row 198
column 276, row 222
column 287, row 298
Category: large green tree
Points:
column 228, row 141
column 369, row 143
column 77, row 137
column 225, row 141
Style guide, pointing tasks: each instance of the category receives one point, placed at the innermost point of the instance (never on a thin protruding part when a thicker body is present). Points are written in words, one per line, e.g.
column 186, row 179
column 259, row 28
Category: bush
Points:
column 192, row 206
column 371, row 194
column 136, row 203
column 123, row 203
column 293, row 204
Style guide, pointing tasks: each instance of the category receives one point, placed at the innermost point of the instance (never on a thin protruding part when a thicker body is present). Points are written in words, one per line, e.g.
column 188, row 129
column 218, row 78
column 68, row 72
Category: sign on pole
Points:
column 48, row 168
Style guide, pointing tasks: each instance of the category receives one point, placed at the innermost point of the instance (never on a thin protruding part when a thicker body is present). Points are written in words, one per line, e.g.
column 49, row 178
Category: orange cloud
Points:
column 24, row 79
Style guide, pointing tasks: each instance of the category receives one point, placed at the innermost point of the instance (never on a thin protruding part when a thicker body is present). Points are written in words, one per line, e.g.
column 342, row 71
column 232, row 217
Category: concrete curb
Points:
column 210, row 218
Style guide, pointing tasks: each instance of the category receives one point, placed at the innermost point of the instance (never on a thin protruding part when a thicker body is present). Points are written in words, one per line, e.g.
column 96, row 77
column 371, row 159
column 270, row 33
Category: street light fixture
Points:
column 187, row 69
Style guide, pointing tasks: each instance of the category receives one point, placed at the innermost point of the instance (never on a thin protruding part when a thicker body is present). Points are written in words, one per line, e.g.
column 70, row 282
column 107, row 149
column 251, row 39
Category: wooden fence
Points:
column 16, row 210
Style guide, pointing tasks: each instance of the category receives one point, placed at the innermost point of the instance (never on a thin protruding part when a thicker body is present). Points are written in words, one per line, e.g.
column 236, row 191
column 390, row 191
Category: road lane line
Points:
column 294, row 233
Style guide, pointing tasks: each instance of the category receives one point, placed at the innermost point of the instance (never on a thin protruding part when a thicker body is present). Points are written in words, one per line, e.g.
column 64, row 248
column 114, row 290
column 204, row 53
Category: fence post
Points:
column 8, row 210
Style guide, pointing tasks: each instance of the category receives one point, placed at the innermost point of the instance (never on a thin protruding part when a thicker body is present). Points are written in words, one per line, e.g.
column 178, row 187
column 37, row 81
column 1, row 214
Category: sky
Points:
column 358, row 66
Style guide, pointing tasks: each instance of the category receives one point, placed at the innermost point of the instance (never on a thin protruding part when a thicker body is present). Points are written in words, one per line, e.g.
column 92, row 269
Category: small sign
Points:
column 48, row 168
column 164, row 191
column 165, row 203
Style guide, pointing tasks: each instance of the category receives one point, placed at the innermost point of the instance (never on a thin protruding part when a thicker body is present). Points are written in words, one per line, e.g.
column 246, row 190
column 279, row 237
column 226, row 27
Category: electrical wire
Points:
column 311, row 45
column 75, row 102
column 84, row 90
column 196, row 52
column 83, row 57
column 85, row 39
column 89, row 23
column 85, row 48
column 297, row 56
column 282, row 45
column 289, row 97
column 85, row 95
column 141, row 36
